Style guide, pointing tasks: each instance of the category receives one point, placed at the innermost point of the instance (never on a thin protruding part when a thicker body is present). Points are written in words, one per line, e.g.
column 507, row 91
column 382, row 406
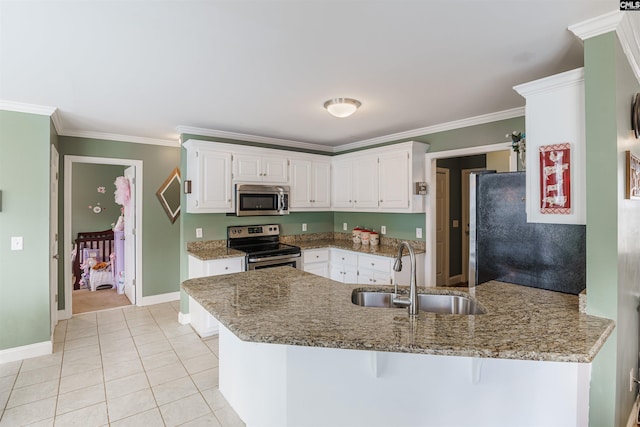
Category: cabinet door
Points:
column 321, row 185
column 336, row 273
column 216, row 188
column 341, row 183
column 393, row 180
column 320, row 269
column 274, row 169
column 247, row 168
column 365, row 182
column 300, row 196
column 210, row 173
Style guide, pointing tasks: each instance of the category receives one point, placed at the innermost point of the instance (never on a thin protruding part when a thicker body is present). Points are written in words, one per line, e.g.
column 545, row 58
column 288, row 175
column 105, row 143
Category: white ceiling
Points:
column 142, row 68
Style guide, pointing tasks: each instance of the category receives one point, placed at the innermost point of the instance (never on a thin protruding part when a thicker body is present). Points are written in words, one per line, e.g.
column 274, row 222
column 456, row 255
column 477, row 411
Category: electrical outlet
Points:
column 198, row 233
column 344, row 226
column 304, row 227
column 383, row 229
column 16, row 243
column 418, row 233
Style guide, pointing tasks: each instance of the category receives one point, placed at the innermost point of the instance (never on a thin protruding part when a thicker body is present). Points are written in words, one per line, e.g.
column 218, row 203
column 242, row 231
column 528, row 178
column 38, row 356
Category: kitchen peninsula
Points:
column 295, row 350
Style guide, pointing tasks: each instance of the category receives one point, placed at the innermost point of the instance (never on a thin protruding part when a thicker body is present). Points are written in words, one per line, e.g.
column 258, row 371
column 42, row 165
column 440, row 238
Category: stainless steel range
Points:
column 262, row 245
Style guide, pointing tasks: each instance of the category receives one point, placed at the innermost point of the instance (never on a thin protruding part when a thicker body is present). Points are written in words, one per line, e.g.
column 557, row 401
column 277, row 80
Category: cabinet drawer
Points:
column 224, row 266
column 374, row 263
column 315, row 255
column 338, row 256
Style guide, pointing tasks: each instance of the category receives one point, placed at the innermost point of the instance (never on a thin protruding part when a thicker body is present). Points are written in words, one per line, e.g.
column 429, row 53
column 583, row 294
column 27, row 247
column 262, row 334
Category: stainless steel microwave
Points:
column 254, row 200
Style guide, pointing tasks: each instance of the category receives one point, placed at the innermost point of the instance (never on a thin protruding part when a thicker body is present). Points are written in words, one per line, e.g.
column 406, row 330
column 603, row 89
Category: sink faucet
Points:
column 412, row 301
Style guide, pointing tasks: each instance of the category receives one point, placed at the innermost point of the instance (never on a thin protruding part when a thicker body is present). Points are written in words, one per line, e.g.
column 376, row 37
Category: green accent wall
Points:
column 87, row 177
column 24, row 275
column 602, row 245
column 613, row 226
column 399, row 225
column 160, row 238
column 214, row 226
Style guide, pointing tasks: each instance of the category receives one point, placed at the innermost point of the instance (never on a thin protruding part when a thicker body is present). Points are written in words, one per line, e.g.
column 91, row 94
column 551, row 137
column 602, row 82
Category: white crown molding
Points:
column 598, row 25
column 21, row 107
column 118, row 137
column 627, row 32
column 630, row 41
column 568, row 78
column 443, row 127
column 252, row 138
column 57, row 121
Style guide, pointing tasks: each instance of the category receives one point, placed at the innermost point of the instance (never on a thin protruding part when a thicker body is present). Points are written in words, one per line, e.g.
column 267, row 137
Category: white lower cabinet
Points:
column 344, row 266
column 316, row 261
column 201, row 321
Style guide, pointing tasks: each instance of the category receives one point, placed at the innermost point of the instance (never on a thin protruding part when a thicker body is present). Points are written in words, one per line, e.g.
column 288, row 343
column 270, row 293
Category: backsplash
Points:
column 204, row 245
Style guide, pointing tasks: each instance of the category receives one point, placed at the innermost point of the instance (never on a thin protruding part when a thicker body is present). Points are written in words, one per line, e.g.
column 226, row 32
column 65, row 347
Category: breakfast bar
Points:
column 295, row 349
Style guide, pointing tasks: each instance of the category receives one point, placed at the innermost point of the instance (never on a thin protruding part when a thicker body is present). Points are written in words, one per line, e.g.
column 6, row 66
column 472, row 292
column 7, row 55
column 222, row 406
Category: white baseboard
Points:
column 184, row 318
column 26, row 351
column 633, row 416
column 64, row 315
column 162, row 298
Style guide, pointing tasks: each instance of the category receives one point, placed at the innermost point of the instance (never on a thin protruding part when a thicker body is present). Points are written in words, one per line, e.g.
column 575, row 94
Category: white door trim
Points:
column 68, row 243
column 430, row 178
column 54, row 175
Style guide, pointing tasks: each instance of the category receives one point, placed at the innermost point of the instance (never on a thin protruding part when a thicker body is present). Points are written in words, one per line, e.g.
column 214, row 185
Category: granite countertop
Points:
column 212, row 250
column 287, row 306
column 209, row 254
column 380, row 250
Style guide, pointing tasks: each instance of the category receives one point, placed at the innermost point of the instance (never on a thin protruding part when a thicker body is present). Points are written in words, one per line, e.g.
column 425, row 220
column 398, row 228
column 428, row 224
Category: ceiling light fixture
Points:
column 342, row 107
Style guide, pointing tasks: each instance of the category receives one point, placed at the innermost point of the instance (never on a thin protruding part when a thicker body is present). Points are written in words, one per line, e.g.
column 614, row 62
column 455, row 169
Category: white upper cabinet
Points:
column 310, row 184
column 380, row 180
column 341, row 180
column 393, row 175
column 209, row 171
column 555, row 114
column 258, row 168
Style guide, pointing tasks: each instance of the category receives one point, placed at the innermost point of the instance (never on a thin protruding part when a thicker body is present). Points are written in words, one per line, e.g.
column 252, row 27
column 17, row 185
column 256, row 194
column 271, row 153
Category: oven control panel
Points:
column 253, row 231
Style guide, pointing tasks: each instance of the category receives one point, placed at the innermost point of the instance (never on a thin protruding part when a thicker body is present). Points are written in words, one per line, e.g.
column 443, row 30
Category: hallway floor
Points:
column 132, row 366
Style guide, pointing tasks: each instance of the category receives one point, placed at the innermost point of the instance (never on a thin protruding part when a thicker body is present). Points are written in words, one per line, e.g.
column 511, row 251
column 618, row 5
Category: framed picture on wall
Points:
column 632, row 182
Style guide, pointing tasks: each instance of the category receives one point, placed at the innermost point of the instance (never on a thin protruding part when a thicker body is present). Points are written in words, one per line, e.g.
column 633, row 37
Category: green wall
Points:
column 160, row 238
column 24, row 275
column 214, row 226
column 87, row 177
column 613, row 226
column 399, row 225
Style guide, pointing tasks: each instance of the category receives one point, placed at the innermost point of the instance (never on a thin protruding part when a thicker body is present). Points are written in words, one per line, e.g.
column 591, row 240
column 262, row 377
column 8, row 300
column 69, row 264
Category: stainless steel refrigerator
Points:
column 504, row 247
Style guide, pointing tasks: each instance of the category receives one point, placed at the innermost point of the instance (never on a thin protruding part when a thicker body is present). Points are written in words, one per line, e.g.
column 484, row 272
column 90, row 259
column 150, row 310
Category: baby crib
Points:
column 100, row 241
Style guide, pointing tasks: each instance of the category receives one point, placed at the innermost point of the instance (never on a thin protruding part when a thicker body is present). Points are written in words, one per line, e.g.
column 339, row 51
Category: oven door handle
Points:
column 274, row 258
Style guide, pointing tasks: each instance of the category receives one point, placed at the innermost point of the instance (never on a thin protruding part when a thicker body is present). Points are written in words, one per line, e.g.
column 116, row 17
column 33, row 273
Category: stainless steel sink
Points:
column 433, row 303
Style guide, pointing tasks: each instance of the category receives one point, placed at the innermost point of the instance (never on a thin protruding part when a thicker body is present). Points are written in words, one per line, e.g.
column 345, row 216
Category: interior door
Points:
column 130, row 238
column 442, row 227
column 53, row 237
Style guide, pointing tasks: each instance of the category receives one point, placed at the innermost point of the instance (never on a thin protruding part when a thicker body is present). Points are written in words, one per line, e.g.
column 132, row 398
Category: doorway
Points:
column 432, row 266
column 133, row 280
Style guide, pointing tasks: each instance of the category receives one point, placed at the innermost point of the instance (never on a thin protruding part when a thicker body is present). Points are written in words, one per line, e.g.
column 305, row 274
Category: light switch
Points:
column 304, row 227
column 456, row 223
column 418, row 233
column 383, row 229
column 16, row 243
column 198, row 232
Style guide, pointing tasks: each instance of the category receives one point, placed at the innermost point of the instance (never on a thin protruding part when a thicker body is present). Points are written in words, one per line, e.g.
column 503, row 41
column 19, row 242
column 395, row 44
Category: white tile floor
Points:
column 134, row 366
